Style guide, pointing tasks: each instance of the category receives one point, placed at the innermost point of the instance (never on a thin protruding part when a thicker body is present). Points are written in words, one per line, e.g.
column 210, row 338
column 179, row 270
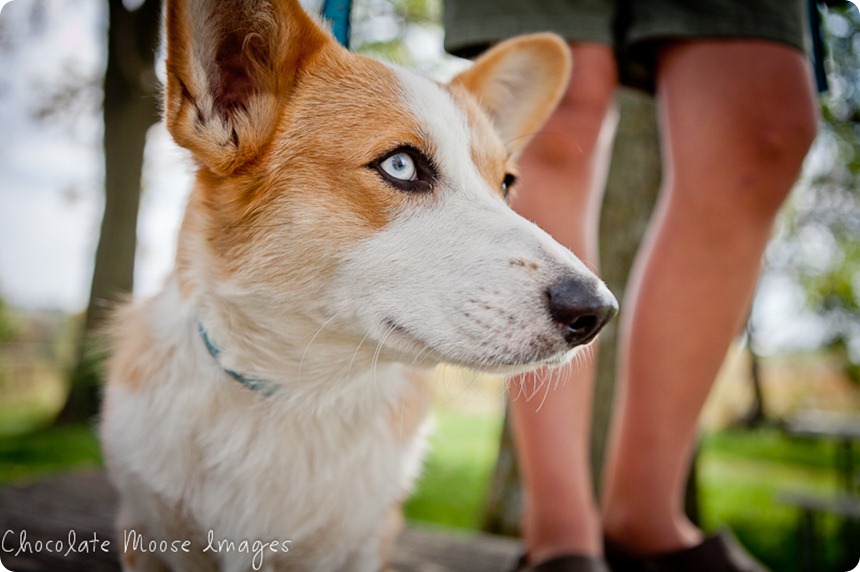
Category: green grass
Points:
column 741, row 478
column 22, row 419
column 47, row 451
column 770, row 445
column 741, row 475
column 453, row 486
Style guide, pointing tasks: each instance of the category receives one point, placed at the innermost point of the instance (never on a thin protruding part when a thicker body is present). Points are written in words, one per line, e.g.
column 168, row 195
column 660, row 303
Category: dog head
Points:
column 365, row 200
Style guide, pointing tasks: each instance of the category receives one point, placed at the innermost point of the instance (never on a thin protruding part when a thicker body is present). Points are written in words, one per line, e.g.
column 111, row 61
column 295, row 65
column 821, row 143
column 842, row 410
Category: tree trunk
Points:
column 504, row 502
column 632, row 187
column 130, row 109
column 757, row 414
column 631, row 192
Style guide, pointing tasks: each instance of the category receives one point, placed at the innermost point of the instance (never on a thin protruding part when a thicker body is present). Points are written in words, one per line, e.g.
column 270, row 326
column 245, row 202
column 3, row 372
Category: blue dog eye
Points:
column 400, row 166
column 406, row 169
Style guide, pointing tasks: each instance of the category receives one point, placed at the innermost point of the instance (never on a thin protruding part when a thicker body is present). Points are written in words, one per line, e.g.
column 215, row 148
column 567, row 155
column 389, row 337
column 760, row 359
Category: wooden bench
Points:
column 844, row 431
column 83, row 505
column 811, row 506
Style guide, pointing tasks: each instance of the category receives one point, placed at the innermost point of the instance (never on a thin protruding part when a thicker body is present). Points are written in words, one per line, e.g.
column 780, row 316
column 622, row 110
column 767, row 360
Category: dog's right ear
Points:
column 230, row 63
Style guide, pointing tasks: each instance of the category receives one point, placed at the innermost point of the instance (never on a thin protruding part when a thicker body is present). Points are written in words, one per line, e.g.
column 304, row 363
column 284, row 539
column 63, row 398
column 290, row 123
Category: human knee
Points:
column 783, row 139
column 752, row 165
column 777, row 146
column 742, row 131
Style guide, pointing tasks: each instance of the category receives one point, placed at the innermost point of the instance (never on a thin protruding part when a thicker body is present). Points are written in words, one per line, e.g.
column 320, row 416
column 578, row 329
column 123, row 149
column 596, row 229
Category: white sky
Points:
column 49, row 196
column 51, row 176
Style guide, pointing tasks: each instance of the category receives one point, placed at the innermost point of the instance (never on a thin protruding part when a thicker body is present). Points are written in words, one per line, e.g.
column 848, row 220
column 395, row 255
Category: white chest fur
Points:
column 223, row 462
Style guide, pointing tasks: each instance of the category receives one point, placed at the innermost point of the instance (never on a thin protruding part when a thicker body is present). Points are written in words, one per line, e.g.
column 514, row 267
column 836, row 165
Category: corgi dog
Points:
column 347, row 230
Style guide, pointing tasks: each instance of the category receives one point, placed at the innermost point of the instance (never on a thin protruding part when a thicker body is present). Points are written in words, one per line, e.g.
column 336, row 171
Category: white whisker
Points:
column 355, row 354
column 545, row 395
column 310, row 343
column 379, row 345
column 419, row 355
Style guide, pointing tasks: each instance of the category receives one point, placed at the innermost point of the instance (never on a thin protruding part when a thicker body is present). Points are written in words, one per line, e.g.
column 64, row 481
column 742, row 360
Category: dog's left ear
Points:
column 518, row 83
column 230, row 66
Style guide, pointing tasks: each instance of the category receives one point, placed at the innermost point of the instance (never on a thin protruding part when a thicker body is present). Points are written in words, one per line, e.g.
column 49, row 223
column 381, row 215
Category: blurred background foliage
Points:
column 815, row 256
column 817, row 244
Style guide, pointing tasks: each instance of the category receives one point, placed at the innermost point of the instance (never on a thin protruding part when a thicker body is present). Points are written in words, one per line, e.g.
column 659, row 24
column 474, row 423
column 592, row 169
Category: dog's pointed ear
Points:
column 230, row 64
column 518, row 83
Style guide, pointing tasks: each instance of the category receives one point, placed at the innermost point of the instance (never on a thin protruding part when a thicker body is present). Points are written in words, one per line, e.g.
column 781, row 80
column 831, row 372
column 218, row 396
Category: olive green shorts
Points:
column 634, row 27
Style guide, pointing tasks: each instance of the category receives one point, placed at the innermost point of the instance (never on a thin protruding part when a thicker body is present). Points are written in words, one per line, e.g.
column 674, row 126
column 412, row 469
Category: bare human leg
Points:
column 737, row 118
column 563, row 174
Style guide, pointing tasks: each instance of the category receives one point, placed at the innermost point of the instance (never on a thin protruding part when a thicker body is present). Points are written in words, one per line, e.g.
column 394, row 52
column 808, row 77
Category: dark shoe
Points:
column 569, row 563
column 718, row 553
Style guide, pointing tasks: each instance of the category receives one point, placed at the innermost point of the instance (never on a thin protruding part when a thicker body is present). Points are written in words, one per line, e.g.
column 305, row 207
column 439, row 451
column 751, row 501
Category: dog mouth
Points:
column 541, row 351
column 403, row 334
column 392, row 326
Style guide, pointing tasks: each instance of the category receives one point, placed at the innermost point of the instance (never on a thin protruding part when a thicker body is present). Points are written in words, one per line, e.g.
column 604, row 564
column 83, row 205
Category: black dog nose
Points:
column 581, row 308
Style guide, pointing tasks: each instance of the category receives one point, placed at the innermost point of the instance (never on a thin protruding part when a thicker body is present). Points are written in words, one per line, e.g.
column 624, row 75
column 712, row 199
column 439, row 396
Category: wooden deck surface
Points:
column 83, row 504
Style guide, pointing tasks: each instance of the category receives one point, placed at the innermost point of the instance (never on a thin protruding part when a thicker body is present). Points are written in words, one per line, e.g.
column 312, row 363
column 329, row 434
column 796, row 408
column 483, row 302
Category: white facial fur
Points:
column 459, row 277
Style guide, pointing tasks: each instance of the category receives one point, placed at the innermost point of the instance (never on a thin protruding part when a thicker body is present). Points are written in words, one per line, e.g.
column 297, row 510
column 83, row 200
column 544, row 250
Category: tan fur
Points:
column 227, row 118
column 286, row 128
column 134, row 352
column 488, row 150
column 281, row 191
column 130, row 558
column 389, row 534
column 407, row 417
column 497, row 78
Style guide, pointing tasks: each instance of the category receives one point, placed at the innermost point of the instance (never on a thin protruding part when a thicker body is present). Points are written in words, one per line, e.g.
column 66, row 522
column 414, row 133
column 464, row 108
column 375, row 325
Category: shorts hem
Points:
column 465, row 35
column 757, row 30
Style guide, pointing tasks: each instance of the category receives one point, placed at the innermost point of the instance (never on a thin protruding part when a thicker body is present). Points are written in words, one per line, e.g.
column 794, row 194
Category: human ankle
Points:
column 651, row 536
column 549, row 538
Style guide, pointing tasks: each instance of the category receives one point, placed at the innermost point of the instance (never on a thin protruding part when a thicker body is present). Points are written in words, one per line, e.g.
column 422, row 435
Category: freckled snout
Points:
column 581, row 309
